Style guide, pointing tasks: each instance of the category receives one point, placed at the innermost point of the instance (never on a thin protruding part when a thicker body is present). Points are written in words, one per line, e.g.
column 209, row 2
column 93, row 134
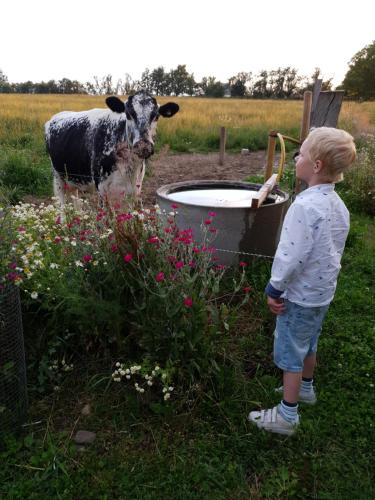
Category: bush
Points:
column 127, row 284
column 358, row 188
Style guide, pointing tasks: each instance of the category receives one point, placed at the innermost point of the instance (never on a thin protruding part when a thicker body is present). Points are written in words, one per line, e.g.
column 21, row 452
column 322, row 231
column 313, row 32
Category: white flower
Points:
column 166, row 396
column 34, row 295
column 53, row 265
column 73, row 243
column 149, row 382
column 172, row 214
column 78, row 263
column 118, row 364
column 127, row 376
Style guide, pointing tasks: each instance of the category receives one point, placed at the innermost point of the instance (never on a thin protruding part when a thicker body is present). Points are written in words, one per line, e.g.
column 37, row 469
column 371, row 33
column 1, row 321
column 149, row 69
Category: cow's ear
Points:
column 115, row 104
column 169, row 109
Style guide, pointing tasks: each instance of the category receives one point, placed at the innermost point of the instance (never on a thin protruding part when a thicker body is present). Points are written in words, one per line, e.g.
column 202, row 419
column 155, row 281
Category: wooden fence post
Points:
column 305, row 127
column 223, row 138
column 270, row 154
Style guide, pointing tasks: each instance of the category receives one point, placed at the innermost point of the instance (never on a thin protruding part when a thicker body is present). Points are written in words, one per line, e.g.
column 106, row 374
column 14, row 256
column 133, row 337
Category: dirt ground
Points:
column 166, row 168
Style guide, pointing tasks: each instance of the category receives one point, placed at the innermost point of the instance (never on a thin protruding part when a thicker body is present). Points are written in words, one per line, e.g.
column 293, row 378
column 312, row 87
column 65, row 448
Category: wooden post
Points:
column 270, row 154
column 305, row 127
column 223, row 138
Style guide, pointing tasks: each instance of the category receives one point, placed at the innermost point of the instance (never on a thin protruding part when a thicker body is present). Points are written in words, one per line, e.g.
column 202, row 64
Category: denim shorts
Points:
column 296, row 335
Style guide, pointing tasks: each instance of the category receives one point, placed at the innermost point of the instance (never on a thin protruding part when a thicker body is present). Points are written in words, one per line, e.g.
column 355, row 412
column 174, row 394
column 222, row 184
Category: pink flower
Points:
column 179, row 264
column 153, row 239
column 57, row 239
column 58, row 220
column 188, row 302
column 114, row 248
column 128, row 257
column 167, row 229
column 21, row 229
column 87, row 258
column 212, row 214
column 160, row 277
column 247, row 289
column 208, row 222
column 242, row 264
column 123, row 217
column 12, row 265
column 192, row 264
column 196, row 250
column 174, row 205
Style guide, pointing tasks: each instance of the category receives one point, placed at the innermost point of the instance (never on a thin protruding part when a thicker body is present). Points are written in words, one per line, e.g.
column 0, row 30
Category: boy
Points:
column 304, row 272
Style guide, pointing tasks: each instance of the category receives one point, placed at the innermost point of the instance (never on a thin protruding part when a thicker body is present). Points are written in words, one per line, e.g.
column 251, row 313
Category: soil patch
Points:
column 166, row 168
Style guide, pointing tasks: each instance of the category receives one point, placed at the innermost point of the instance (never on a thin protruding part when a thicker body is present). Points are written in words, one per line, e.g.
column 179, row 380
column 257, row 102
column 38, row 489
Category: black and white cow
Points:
column 105, row 148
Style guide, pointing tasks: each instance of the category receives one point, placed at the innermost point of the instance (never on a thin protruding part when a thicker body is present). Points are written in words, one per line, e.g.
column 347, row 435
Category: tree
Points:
column 4, row 84
column 237, row 84
column 212, row 88
column 158, row 81
column 180, row 82
column 359, row 81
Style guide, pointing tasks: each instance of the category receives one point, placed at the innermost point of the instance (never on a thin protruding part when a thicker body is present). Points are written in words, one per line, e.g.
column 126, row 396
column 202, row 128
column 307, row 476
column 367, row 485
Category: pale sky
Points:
column 77, row 39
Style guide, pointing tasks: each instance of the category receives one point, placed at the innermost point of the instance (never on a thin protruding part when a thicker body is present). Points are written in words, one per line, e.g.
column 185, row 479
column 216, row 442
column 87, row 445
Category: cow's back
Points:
column 70, row 140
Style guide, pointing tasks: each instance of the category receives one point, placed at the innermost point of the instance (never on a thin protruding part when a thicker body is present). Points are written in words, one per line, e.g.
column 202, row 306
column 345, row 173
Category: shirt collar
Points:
column 319, row 188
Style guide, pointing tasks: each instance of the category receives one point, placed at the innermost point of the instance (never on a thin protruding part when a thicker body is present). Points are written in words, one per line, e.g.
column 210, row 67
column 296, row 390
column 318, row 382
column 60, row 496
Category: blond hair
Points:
column 334, row 147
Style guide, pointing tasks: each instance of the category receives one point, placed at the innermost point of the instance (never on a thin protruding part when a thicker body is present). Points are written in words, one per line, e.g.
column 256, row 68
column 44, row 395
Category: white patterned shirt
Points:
column 312, row 241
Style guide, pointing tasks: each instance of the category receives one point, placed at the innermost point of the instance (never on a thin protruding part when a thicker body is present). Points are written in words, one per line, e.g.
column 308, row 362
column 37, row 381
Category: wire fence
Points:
column 13, row 391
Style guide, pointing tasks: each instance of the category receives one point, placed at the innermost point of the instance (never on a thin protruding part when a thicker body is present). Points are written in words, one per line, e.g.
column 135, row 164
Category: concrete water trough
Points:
column 241, row 230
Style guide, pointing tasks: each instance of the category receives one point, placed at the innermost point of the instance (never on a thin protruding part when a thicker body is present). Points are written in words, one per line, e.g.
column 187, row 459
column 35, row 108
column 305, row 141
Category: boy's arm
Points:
column 293, row 250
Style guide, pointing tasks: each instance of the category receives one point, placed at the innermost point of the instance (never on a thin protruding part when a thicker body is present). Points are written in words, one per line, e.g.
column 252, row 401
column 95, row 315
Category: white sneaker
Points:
column 271, row 420
column 303, row 397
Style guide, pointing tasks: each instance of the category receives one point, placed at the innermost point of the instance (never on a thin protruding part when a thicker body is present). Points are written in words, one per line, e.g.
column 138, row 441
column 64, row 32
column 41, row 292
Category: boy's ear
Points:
column 318, row 166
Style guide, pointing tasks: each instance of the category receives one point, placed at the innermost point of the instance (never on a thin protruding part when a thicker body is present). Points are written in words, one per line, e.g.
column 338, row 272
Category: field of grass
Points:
column 25, row 166
column 202, row 447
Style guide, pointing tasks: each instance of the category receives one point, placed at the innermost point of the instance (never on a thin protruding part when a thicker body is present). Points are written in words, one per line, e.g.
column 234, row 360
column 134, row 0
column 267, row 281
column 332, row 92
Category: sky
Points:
column 78, row 39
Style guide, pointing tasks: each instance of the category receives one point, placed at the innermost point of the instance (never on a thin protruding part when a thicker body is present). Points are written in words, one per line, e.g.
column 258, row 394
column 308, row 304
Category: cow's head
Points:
column 142, row 113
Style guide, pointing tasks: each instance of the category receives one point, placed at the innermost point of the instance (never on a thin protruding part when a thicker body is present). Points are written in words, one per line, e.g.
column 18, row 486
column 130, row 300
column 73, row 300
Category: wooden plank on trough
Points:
column 263, row 192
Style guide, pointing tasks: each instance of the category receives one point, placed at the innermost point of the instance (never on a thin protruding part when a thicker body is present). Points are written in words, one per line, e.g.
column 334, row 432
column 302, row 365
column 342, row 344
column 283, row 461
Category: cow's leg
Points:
column 58, row 189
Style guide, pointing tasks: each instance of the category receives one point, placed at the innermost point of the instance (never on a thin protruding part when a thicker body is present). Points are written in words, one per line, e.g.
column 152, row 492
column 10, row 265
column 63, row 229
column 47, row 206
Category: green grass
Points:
column 201, row 446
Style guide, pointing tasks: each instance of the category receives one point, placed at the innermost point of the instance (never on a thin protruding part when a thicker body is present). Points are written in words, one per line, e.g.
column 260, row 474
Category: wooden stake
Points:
column 305, row 126
column 270, row 154
column 223, row 138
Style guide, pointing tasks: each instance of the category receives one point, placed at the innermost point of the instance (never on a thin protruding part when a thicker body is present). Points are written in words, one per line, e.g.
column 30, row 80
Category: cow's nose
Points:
column 144, row 149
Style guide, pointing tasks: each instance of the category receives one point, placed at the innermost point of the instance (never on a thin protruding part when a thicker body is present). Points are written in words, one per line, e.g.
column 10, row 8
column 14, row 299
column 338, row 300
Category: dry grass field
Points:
column 194, row 128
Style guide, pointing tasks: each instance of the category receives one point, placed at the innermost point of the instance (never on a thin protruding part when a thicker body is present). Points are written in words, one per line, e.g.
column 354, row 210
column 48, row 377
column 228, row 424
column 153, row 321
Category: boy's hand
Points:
column 276, row 306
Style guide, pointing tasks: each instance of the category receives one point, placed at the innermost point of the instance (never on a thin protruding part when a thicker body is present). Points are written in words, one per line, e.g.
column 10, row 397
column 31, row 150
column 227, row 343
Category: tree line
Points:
column 281, row 83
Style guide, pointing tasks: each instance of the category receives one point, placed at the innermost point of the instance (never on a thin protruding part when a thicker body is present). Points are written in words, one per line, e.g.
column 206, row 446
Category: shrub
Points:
column 358, row 188
column 125, row 283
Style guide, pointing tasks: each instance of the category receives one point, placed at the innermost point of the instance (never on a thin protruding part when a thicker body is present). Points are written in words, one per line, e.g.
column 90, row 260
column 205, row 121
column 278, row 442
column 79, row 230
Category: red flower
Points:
column 123, row 217
column 167, row 229
column 179, row 264
column 87, row 258
column 212, row 214
column 153, row 239
column 196, row 250
column 242, row 264
column 128, row 257
column 174, row 205
column 247, row 289
column 208, row 222
column 57, row 239
column 160, row 277
column 114, row 248
column 188, row 302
